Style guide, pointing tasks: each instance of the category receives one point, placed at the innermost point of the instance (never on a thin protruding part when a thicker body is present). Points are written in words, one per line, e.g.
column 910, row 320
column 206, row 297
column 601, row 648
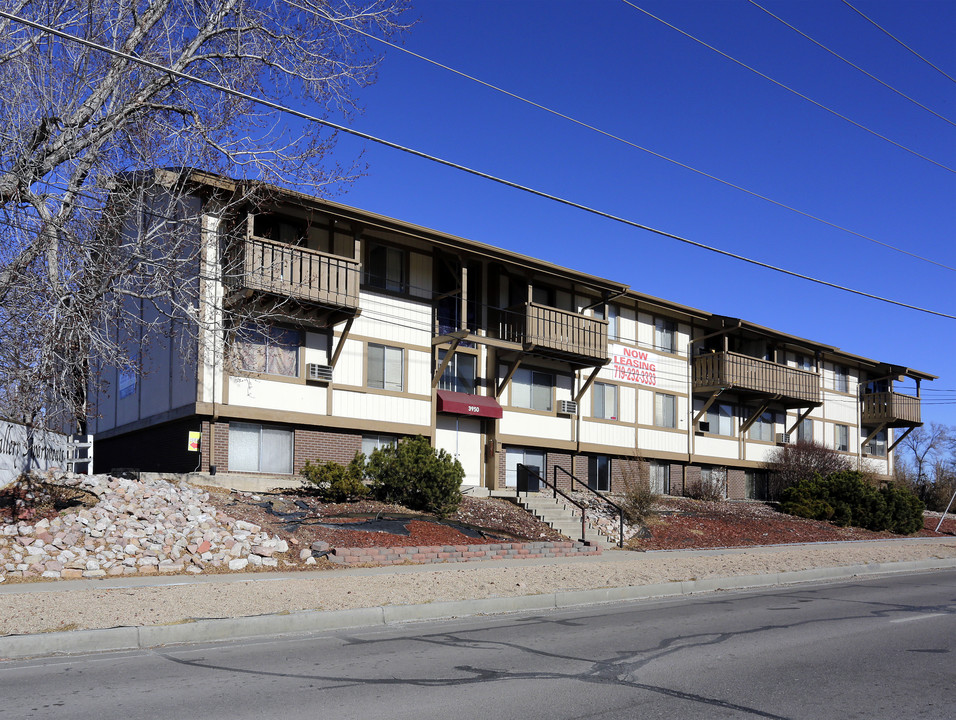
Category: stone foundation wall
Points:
column 459, row 553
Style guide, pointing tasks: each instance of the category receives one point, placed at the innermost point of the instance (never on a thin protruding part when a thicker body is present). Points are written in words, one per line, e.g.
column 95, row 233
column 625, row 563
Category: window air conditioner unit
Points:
column 320, row 373
column 869, row 449
column 703, row 426
column 783, row 438
column 567, row 407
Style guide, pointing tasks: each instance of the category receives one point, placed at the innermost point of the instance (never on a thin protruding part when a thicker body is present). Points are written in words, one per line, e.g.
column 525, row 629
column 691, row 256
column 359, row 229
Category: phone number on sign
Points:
column 644, row 377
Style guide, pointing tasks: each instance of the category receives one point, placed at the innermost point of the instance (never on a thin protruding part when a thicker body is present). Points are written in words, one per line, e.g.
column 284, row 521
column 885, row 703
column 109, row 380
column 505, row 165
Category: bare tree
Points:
column 788, row 464
column 923, row 446
column 78, row 257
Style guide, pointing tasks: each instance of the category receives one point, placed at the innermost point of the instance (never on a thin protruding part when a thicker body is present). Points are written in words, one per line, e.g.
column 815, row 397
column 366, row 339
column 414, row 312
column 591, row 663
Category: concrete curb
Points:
column 221, row 629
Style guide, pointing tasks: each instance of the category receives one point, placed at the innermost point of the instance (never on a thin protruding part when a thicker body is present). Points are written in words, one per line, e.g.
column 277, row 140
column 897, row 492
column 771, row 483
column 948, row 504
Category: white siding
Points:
column 840, row 408
column 396, row 321
column 350, row 369
column 381, row 408
column 716, row 447
column 274, row 395
column 661, row 441
column 621, row 436
column 419, row 372
column 535, row 426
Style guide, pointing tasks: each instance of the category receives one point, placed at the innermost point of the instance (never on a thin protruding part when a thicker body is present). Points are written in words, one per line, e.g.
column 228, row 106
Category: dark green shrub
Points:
column 846, row 498
column 416, row 475
column 334, row 482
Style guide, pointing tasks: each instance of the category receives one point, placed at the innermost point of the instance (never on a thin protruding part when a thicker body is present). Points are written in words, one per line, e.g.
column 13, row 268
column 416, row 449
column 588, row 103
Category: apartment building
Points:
column 371, row 329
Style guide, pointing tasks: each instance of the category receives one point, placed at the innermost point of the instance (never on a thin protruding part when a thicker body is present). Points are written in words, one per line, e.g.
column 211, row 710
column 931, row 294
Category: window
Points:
column 612, row 319
column 665, row 410
column 385, row 268
column 259, row 448
column 762, row 429
column 665, row 335
column 841, row 379
column 385, row 371
column 287, row 230
column 877, row 446
column 660, row 478
column 804, row 362
column 515, row 456
column 757, row 484
column 604, row 401
column 459, row 373
column 599, row 472
column 714, row 479
column 273, row 350
column 805, row 431
column 371, row 443
column 532, row 389
column 720, row 417
column 841, row 436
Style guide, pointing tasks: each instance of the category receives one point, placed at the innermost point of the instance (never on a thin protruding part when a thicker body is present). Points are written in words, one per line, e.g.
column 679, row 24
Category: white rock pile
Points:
column 136, row 527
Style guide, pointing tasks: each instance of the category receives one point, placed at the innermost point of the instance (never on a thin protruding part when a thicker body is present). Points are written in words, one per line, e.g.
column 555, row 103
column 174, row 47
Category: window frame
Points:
column 805, row 430
column 660, row 485
column 388, row 351
column 261, row 429
column 384, row 281
column 245, row 347
column 599, row 397
column 451, row 378
column 836, row 437
column 715, row 416
column 599, row 472
column 767, row 419
column 841, row 378
column 660, row 410
column 535, row 389
column 664, row 328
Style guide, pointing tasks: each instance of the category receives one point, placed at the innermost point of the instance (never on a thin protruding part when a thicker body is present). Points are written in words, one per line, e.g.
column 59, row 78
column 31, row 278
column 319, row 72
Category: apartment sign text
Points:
column 23, row 449
column 633, row 365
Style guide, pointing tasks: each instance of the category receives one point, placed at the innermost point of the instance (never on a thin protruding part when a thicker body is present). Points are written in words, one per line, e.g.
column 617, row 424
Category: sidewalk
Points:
column 74, row 616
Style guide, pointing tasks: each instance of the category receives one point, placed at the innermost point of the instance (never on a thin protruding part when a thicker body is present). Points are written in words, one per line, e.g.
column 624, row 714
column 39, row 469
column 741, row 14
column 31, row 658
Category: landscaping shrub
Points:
column 639, row 500
column 333, row 482
column 713, row 490
column 845, row 498
column 414, row 474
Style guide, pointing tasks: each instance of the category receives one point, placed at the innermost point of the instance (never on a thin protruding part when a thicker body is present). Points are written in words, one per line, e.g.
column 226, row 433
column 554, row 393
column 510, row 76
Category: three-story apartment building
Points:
column 368, row 329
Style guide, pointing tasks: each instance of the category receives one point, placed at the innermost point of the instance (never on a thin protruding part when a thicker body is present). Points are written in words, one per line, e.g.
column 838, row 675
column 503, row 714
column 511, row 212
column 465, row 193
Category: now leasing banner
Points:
column 23, row 448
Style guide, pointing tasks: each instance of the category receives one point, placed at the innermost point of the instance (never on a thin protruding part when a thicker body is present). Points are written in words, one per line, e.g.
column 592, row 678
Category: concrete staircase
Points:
column 557, row 513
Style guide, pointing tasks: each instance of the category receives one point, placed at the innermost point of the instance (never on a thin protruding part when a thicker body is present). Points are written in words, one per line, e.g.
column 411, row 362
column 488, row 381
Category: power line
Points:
column 790, row 89
column 853, row 65
column 893, row 37
column 620, row 139
column 464, row 168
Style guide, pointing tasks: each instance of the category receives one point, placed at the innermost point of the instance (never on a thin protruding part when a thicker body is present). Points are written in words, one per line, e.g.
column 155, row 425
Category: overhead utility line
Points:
column 790, row 89
column 851, row 64
column 448, row 163
column 893, row 37
column 612, row 136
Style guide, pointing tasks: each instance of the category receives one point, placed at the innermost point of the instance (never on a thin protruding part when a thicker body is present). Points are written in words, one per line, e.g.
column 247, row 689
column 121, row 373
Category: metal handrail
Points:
column 620, row 510
column 584, row 520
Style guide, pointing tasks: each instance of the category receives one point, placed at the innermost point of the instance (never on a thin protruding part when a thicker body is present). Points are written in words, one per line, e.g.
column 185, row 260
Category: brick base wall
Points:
column 459, row 553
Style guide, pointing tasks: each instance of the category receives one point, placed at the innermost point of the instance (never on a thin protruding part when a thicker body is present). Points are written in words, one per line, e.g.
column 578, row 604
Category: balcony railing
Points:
column 892, row 408
column 561, row 332
column 732, row 370
column 297, row 273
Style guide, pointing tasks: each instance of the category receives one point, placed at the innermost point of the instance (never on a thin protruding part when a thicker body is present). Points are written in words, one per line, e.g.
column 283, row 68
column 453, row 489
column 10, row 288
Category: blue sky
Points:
column 612, row 66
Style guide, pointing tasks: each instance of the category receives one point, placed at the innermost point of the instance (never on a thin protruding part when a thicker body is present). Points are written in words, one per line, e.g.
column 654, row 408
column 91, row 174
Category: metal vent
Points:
column 321, row 373
column 567, row 407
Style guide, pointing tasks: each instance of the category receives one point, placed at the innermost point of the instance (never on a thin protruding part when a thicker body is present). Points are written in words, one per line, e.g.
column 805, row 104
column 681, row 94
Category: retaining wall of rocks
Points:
column 460, row 553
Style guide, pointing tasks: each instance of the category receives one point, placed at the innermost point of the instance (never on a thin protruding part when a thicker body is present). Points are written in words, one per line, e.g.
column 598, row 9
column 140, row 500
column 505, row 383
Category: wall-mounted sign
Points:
column 633, row 365
column 127, row 383
column 194, row 437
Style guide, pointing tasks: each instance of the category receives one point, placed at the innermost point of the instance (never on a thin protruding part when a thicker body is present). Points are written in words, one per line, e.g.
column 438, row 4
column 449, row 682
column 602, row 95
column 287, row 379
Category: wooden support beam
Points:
column 588, row 382
column 507, row 378
column 877, row 431
column 803, row 416
column 761, row 409
column 341, row 343
column 900, row 438
column 445, row 360
column 703, row 410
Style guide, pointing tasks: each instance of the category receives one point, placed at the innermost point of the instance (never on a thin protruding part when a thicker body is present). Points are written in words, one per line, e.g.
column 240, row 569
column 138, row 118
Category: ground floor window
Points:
column 260, row 448
column 371, row 443
column 599, row 473
column 659, row 476
column 713, row 480
column 522, row 456
column 758, row 485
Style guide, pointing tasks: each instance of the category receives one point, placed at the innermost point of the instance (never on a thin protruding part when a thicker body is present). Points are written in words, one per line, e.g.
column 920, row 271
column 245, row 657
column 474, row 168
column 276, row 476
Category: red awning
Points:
column 465, row 404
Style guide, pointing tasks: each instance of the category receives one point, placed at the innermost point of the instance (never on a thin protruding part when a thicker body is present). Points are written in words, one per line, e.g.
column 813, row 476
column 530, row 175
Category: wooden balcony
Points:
column 890, row 408
column 745, row 374
column 561, row 334
column 323, row 288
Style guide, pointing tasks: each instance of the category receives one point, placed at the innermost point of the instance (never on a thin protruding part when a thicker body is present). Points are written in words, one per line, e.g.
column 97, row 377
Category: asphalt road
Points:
column 873, row 648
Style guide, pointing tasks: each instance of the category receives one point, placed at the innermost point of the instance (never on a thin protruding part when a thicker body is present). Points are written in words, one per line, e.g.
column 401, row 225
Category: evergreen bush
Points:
column 414, row 474
column 333, row 482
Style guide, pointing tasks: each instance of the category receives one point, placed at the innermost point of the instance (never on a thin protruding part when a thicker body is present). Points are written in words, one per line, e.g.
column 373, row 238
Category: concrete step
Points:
column 557, row 514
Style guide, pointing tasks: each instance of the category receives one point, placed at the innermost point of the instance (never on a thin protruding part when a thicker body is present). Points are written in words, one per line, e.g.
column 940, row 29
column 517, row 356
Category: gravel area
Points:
column 48, row 607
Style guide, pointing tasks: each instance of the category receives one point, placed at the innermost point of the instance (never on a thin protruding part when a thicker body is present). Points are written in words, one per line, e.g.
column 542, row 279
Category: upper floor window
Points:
column 665, row 410
column 612, row 320
column 665, row 335
column 841, row 378
column 805, row 431
column 841, row 438
column 804, row 362
column 386, row 367
column 877, row 386
column 763, row 427
column 604, row 401
column 385, row 268
column 532, row 389
column 272, row 350
column 459, row 373
column 877, row 446
column 720, row 418
column 280, row 228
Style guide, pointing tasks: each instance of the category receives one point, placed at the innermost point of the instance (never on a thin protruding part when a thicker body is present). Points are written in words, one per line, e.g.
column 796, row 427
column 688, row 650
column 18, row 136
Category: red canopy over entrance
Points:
column 465, row 404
